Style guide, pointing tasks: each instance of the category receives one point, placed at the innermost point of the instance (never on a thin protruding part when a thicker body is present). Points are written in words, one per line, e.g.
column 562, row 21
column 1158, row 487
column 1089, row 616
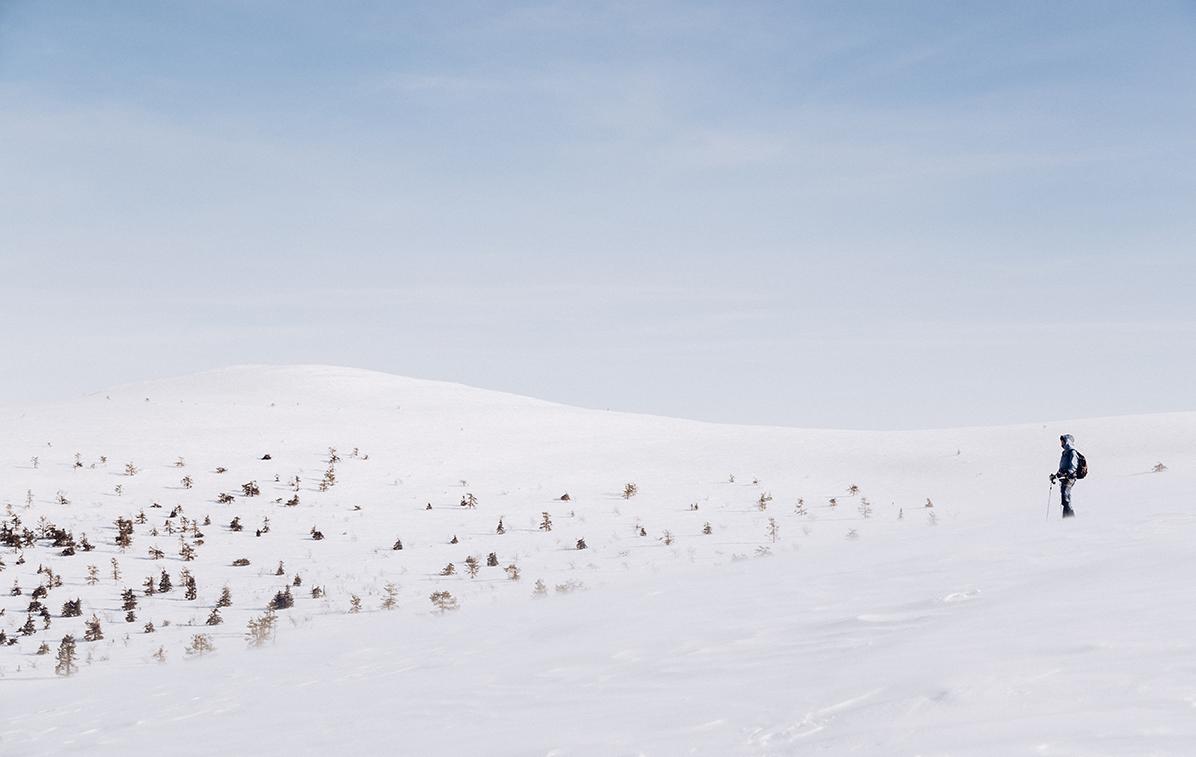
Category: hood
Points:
column 1068, row 440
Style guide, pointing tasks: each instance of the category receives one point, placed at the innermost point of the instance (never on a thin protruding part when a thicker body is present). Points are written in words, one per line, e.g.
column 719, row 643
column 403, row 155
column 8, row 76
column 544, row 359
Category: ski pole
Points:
column 1049, row 493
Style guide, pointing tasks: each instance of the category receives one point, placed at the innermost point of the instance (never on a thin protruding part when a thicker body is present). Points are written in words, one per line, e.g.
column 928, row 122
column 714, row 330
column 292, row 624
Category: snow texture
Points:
column 976, row 627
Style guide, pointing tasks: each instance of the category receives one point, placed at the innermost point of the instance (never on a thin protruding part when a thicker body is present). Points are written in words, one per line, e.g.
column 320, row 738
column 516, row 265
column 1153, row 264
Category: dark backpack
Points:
column 1081, row 466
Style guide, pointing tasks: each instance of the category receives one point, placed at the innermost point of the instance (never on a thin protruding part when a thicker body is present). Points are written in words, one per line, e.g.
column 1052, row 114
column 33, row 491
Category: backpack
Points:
column 1081, row 466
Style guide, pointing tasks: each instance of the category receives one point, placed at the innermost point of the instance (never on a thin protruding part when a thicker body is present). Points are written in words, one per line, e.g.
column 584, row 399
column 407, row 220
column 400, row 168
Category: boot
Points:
column 1068, row 512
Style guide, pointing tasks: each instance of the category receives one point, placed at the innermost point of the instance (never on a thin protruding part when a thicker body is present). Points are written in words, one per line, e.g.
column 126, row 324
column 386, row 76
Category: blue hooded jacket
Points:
column 1069, row 462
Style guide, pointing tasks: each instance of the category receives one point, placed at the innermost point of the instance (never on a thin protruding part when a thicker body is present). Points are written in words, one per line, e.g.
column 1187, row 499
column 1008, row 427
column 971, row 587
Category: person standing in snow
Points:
column 1069, row 464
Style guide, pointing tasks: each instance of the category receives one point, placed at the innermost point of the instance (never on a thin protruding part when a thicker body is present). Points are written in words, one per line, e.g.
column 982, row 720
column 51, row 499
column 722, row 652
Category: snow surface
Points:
column 978, row 627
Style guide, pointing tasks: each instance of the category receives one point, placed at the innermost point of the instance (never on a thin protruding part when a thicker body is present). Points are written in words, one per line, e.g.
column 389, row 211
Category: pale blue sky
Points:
column 869, row 215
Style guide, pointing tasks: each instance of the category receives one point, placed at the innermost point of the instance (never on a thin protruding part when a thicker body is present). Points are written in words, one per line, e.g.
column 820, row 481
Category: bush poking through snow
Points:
column 201, row 644
column 214, row 618
column 241, row 562
column 443, row 601
column 354, row 604
column 260, row 629
column 630, row 490
column 545, row 522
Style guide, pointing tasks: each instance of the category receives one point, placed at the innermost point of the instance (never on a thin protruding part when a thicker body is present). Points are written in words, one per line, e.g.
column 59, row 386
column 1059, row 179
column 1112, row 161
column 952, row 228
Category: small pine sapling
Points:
column 443, row 601
column 762, row 502
column 93, row 631
column 259, row 630
column 390, row 601
column 66, row 657
column 282, row 600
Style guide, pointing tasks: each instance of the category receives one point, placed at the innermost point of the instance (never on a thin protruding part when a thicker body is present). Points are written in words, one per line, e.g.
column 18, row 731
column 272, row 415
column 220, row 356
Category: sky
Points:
column 855, row 215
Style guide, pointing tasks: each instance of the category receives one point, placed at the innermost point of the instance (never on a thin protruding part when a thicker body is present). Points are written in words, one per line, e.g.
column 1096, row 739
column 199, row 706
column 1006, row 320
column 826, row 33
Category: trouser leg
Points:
column 1065, row 496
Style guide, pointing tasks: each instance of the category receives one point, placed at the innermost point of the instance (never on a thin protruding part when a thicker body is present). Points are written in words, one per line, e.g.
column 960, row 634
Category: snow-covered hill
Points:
column 873, row 625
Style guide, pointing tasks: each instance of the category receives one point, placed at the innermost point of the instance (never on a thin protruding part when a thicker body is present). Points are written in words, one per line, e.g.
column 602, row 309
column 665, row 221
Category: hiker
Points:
column 1069, row 466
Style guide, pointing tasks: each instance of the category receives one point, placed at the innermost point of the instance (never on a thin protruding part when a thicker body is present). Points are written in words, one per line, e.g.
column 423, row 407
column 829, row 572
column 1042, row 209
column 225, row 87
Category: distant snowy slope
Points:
column 775, row 613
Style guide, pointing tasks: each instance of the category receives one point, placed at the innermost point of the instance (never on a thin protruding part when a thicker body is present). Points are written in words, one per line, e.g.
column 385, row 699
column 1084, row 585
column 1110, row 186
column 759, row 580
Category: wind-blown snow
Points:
column 978, row 627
